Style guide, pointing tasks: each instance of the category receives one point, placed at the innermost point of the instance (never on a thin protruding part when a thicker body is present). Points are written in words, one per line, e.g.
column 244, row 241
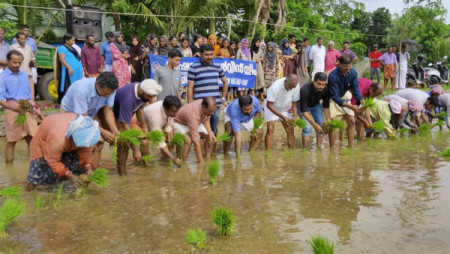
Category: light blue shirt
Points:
column 14, row 86
column 4, row 49
column 237, row 116
column 106, row 51
column 30, row 42
column 82, row 98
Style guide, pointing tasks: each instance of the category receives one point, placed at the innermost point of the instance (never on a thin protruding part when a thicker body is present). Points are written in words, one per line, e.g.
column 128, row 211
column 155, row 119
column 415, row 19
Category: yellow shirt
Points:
column 382, row 112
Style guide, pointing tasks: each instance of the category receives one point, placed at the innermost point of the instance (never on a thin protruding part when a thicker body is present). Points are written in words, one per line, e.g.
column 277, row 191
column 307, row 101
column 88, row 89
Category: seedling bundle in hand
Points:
column 224, row 219
column 333, row 125
column 369, row 103
column 26, row 106
column 224, row 137
column 213, row 170
column 99, row 177
column 321, row 245
column 403, row 130
column 156, row 137
column 197, row 238
column 299, row 123
column 425, row 129
column 178, row 140
column 378, row 126
column 127, row 137
column 257, row 123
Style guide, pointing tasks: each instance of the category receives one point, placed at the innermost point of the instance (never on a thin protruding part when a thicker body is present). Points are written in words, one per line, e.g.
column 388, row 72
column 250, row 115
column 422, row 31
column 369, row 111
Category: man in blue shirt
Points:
column 14, row 86
column 342, row 83
column 239, row 115
column 203, row 79
column 4, row 49
column 94, row 97
column 106, row 51
column 30, row 41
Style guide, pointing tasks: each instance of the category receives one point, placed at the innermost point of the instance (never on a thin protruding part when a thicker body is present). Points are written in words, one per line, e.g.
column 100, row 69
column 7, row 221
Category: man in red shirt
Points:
column 375, row 63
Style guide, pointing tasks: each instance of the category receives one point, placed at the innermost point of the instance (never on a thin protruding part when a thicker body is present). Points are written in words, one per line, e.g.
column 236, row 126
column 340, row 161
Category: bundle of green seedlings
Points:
column 369, row 103
column 27, row 107
column 321, row 245
column 425, row 129
column 148, row 158
column 213, row 170
column 127, row 137
column 10, row 210
column 178, row 140
column 299, row 123
column 403, row 130
column 378, row 126
column 197, row 238
column 12, row 191
column 445, row 153
column 257, row 123
column 333, row 125
column 156, row 137
column 224, row 219
column 99, row 177
column 224, row 137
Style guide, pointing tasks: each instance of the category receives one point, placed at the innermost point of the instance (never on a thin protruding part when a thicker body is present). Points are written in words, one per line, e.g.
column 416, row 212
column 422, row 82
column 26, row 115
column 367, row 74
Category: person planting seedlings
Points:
column 213, row 170
column 10, row 210
column 413, row 108
column 197, row 238
column 382, row 112
column 224, row 219
column 62, row 150
column 243, row 114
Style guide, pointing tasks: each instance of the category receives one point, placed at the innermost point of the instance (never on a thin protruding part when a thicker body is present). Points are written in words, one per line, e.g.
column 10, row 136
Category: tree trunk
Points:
column 265, row 15
column 255, row 19
column 116, row 19
column 281, row 20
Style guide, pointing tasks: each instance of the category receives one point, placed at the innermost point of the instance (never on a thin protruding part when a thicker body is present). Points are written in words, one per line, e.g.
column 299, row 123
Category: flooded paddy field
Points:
column 382, row 196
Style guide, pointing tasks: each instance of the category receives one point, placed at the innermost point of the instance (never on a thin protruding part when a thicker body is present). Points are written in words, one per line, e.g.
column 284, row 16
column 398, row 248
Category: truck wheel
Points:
column 47, row 87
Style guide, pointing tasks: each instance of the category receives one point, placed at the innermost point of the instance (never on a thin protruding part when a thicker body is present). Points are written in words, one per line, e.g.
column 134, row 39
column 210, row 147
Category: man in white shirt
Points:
column 281, row 105
column 317, row 57
column 403, row 63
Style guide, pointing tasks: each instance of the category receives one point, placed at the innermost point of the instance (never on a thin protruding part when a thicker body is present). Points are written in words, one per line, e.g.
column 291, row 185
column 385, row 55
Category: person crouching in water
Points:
column 61, row 149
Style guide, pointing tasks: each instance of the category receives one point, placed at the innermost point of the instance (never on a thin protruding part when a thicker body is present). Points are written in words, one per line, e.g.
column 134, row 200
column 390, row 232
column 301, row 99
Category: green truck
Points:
column 47, row 85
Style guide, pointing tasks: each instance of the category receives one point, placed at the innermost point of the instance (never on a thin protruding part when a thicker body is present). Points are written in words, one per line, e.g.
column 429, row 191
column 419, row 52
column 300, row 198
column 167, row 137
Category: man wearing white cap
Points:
column 129, row 101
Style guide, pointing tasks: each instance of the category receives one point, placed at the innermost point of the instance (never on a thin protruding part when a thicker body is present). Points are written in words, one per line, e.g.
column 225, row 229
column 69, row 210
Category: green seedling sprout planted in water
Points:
column 213, row 170
column 178, row 140
column 224, row 219
column 299, row 123
column 321, row 245
column 127, row 137
column 425, row 129
column 99, row 177
column 156, row 137
column 333, row 125
column 10, row 210
column 445, row 153
column 148, row 158
column 197, row 238
column 403, row 130
column 378, row 126
column 439, row 123
column 224, row 137
column 257, row 123
column 59, row 194
column 12, row 191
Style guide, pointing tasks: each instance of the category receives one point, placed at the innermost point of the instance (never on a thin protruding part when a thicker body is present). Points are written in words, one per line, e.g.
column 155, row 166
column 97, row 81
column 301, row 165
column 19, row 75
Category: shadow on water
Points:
column 380, row 197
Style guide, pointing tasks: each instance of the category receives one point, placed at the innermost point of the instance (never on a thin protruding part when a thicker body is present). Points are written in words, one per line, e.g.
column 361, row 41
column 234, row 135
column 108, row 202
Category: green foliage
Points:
column 128, row 138
column 445, row 153
column 359, row 49
column 156, row 137
column 178, row 139
column 441, row 116
column 378, row 126
column 224, row 219
column 10, row 210
column 99, row 177
column 403, row 130
column 333, row 125
column 213, row 170
column 438, row 123
column 148, row 158
column 321, row 245
column 369, row 103
column 197, row 238
column 299, row 123
column 346, row 151
column 224, row 137
column 11, row 191
column 289, row 153
column 425, row 129
column 59, row 194
column 21, row 119
column 257, row 123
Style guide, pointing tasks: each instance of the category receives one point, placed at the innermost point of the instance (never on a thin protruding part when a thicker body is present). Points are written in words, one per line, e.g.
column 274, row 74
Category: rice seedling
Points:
column 224, row 137
column 439, row 123
column 257, row 123
column 58, row 196
column 333, row 125
column 39, row 202
column 321, row 245
column 403, row 130
column 213, row 170
column 299, row 123
column 148, row 158
column 127, row 137
column 178, row 140
column 445, row 153
column 156, row 137
column 378, row 126
column 289, row 153
column 26, row 105
column 11, row 191
column 425, row 129
column 21, row 119
column 197, row 238
column 346, row 151
column 369, row 103
column 442, row 116
column 10, row 210
column 99, row 177
column 224, row 219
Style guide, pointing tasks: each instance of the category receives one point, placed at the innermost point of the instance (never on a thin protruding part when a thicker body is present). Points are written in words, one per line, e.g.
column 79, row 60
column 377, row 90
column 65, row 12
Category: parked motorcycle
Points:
column 443, row 70
column 415, row 73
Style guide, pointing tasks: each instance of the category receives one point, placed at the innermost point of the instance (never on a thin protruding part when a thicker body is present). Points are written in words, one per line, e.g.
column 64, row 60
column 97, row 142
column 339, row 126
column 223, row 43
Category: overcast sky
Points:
column 396, row 6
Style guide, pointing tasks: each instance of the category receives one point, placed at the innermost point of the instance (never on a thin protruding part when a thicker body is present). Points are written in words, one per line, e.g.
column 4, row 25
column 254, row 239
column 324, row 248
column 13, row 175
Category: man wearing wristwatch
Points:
column 202, row 82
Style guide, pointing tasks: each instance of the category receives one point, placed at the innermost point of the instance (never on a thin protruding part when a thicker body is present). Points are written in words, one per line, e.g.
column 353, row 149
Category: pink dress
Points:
column 120, row 66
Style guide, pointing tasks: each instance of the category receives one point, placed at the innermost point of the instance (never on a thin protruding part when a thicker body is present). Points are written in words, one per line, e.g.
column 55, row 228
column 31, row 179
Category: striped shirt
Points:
column 206, row 80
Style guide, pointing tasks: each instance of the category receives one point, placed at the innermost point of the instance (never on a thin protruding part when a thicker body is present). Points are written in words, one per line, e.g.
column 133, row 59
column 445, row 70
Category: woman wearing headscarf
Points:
column 136, row 60
column 212, row 39
column 120, row 60
column 263, row 47
column 257, row 56
column 301, row 68
column 280, row 61
column 270, row 65
column 151, row 46
column 61, row 149
column 243, row 54
column 288, row 57
column 69, row 65
column 163, row 49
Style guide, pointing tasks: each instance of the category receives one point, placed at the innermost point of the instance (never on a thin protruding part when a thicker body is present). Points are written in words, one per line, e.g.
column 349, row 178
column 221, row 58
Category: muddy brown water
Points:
column 384, row 197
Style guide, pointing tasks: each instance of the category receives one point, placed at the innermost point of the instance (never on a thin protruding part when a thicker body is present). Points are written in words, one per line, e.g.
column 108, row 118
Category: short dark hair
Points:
column 196, row 37
column 374, row 87
column 13, row 52
column 19, row 34
column 108, row 80
column 292, row 36
column 67, row 37
column 174, row 53
column 89, row 35
column 320, row 76
column 305, row 39
column 345, row 59
column 173, row 37
column 298, row 45
column 206, row 47
column 320, row 38
column 433, row 100
column 180, row 33
column 208, row 100
column 21, row 27
column 245, row 100
column 171, row 101
column 346, row 42
column 109, row 34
